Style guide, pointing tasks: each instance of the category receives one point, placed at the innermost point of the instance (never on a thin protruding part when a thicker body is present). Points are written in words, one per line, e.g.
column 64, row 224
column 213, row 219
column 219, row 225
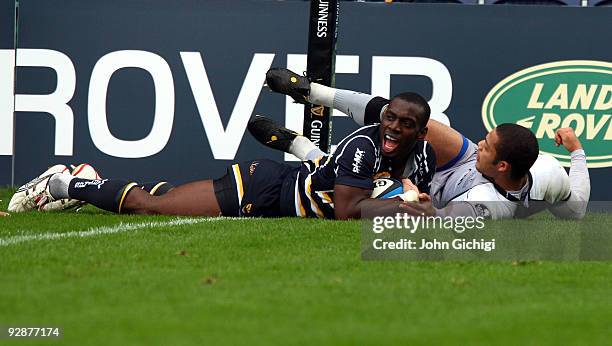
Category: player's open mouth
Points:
column 390, row 143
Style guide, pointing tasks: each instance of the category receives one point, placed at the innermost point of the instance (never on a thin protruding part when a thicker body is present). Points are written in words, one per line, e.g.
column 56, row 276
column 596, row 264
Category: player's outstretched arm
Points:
column 580, row 184
column 446, row 141
column 453, row 209
column 479, row 201
column 349, row 202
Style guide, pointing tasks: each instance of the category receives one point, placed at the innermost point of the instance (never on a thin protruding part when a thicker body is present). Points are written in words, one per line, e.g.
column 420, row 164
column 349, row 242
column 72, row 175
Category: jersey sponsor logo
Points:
column 482, row 210
column 357, row 160
column 246, row 210
column 253, row 167
column 543, row 98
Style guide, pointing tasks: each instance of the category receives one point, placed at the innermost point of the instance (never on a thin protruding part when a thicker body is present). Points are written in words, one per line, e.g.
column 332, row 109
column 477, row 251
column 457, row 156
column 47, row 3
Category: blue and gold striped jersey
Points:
column 356, row 162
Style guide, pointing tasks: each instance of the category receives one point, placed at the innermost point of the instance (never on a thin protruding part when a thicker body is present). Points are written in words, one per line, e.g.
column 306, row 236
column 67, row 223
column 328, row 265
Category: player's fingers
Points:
column 417, row 209
column 564, row 133
column 423, row 197
column 558, row 139
column 411, row 208
column 408, row 185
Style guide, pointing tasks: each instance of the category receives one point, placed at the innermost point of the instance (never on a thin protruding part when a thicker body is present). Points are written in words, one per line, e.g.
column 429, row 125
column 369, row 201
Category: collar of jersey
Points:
column 507, row 195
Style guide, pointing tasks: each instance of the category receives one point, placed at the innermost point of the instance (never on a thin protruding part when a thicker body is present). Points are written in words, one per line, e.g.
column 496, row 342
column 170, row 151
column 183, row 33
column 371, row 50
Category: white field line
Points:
column 120, row 228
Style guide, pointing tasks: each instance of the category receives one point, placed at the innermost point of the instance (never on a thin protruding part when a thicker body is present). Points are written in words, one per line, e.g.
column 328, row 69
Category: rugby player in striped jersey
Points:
column 338, row 185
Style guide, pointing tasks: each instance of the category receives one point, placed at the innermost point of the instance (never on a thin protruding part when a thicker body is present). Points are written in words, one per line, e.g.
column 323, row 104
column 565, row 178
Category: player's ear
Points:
column 422, row 134
column 503, row 166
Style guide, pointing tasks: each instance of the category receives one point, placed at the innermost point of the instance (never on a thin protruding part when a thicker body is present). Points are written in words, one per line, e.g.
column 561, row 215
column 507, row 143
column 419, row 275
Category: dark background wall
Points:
column 479, row 45
column 7, row 27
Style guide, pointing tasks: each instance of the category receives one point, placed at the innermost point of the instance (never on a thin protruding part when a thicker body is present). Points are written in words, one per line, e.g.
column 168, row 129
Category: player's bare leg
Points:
column 195, row 199
column 122, row 196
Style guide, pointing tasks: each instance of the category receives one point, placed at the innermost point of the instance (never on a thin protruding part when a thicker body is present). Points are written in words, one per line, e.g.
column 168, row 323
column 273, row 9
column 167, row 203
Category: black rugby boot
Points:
column 271, row 134
column 284, row 81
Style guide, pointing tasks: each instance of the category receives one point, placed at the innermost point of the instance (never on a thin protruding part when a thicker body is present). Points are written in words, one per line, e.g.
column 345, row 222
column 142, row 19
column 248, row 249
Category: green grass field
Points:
column 277, row 281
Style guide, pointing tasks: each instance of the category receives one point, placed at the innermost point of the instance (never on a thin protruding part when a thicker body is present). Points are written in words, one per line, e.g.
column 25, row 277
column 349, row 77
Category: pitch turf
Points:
column 277, row 281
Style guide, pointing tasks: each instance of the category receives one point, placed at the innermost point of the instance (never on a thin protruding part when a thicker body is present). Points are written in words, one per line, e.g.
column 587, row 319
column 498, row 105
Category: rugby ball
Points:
column 85, row 171
column 387, row 188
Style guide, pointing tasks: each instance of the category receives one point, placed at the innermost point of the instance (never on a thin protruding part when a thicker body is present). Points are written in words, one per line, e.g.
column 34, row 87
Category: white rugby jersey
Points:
column 491, row 201
column 565, row 196
column 548, row 182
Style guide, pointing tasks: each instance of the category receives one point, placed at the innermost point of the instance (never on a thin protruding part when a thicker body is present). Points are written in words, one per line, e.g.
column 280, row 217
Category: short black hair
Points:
column 419, row 101
column 518, row 146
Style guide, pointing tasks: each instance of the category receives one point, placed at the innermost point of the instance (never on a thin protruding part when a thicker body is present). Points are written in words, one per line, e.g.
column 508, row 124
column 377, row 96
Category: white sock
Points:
column 314, row 154
column 58, row 185
column 352, row 103
column 321, row 95
column 349, row 102
column 301, row 147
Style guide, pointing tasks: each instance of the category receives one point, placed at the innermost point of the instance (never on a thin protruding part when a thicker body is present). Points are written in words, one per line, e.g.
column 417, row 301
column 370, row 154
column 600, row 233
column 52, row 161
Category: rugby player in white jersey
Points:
column 500, row 177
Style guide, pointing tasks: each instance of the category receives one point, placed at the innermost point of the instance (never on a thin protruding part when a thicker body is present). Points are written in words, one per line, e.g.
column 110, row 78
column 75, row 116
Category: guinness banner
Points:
column 322, row 37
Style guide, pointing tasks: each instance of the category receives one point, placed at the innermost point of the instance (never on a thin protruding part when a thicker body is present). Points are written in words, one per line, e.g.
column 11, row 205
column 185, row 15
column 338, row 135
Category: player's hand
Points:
column 4, row 214
column 411, row 192
column 567, row 137
column 418, row 209
column 408, row 185
column 423, row 198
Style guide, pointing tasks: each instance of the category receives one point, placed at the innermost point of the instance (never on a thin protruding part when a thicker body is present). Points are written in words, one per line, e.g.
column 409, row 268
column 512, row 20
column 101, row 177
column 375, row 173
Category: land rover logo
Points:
column 576, row 94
